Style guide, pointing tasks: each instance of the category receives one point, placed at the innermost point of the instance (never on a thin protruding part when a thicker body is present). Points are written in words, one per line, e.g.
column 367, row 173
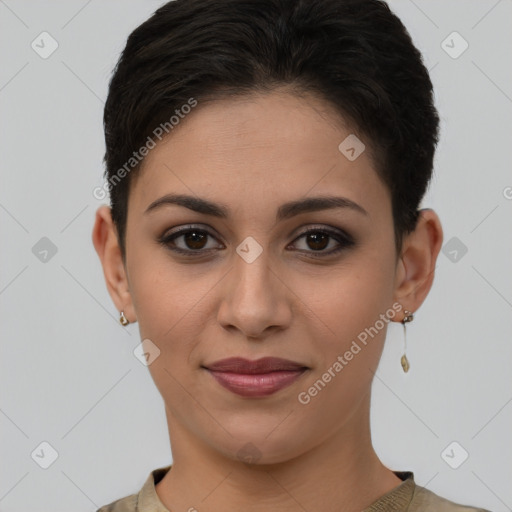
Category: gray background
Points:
column 68, row 373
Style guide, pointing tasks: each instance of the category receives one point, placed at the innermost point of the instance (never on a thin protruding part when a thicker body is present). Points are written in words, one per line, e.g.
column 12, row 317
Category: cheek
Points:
column 351, row 297
column 163, row 298
column 349, row 353
column 169, row 310
column 354, row 305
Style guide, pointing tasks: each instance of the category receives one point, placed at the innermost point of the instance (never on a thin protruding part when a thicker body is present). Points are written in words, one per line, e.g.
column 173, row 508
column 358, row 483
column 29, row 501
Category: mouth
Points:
column 259, row 378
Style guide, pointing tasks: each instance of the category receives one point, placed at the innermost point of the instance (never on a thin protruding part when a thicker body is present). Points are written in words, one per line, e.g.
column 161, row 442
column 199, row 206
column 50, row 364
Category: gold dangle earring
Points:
column 123, row 319
column 409, row 317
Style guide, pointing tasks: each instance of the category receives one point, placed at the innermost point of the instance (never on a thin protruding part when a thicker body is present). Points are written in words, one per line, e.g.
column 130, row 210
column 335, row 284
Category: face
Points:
column 251, row 282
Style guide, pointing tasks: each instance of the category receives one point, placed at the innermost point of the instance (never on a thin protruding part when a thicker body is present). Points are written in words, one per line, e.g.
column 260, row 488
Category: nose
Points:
column 255, row 299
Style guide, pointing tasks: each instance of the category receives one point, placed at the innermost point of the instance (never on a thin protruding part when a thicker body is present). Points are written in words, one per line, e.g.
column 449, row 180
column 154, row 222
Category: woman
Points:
column 266, row 160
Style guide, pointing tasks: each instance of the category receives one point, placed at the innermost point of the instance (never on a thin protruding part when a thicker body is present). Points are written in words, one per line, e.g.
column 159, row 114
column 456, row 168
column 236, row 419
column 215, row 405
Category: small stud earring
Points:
column 409, row 317
column 123, row 319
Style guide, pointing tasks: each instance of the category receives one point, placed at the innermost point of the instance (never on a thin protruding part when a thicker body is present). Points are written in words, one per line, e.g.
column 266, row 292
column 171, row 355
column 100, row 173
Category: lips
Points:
column 258, row 378
column 263, row 365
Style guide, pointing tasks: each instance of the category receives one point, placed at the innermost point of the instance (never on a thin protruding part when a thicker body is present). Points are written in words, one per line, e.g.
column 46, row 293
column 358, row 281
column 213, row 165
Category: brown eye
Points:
column 317, row 240
column 190, row 241
column 195, row 239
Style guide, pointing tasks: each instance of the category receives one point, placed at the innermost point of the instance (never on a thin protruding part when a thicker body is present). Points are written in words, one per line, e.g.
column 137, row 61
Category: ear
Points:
column 104, row 238
column 416, row 265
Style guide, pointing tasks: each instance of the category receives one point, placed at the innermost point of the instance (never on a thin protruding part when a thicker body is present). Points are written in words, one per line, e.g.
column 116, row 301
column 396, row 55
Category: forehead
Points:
column 258, row 148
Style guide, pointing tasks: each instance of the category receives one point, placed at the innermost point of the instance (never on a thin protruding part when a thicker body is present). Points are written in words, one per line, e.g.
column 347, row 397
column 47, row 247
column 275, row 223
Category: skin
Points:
column 253, row 154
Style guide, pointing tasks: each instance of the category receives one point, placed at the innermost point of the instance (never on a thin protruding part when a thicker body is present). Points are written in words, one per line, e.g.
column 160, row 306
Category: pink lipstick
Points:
column 258, row 378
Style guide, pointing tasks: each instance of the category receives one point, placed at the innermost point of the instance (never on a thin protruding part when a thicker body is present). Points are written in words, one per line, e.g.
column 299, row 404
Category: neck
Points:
column 339, row 474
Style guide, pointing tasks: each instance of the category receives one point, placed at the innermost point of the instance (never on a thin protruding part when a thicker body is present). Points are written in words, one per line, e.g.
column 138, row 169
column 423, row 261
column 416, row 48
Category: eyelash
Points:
column 343, row 239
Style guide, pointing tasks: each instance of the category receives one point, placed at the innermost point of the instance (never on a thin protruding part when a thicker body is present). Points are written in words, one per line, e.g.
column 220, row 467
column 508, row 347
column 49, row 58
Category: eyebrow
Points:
column 285, row 211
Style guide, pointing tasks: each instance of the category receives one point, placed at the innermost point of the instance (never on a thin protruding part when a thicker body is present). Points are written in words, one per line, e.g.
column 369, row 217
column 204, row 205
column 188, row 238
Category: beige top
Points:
column 406, row 497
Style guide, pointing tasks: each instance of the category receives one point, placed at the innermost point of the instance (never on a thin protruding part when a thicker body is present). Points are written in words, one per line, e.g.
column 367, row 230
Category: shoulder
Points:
column 126, row 504
column 146, row 500
column 423, row 499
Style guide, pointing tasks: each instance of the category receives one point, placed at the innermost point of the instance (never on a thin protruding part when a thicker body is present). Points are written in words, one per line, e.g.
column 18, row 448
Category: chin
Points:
column 259, row 450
